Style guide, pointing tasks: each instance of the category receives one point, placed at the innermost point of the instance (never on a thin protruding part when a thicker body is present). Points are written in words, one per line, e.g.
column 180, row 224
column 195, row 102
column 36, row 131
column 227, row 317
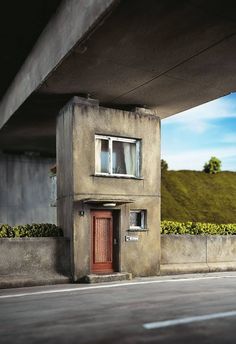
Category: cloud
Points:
column 195, row 159
column 190, row 138
column 229, row 138
column 201, row 118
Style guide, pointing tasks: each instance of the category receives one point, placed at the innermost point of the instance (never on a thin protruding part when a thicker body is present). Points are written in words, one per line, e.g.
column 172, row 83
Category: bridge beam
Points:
column 69, row 25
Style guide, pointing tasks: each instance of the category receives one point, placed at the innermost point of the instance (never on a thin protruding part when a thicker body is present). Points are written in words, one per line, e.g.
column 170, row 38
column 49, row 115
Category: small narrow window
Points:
column 117, row 156
column 137, row 219
column 53, row 185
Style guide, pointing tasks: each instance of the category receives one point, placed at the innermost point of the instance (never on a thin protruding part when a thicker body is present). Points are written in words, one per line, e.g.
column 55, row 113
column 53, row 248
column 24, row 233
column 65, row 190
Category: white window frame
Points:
column 111, row 139
column 143, row 219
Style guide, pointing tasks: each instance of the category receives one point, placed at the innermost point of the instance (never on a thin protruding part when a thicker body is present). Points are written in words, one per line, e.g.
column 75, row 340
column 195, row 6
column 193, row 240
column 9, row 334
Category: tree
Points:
column 212, row 166
column 164, row 165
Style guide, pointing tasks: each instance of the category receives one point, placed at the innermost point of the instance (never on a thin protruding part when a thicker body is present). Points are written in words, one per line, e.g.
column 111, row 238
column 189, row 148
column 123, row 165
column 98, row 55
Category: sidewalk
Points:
column 20, row 281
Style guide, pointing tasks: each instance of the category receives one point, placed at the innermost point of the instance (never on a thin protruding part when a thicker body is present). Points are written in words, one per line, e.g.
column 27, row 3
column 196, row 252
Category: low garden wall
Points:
column 34, row 256
column 44, row 259
column 197, row 253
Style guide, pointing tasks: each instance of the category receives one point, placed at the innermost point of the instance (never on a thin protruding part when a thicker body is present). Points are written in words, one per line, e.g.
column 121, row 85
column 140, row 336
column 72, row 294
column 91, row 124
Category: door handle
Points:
column 115, row 241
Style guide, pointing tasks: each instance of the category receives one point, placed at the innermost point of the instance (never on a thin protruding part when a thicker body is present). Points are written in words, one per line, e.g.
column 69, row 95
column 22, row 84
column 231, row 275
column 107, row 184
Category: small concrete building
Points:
column 109, row 188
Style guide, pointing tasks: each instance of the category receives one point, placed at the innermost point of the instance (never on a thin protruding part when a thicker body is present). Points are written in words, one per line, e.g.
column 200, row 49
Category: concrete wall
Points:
column 189, row 253
column 34, row 256
column 77, row 125
column 25, row 190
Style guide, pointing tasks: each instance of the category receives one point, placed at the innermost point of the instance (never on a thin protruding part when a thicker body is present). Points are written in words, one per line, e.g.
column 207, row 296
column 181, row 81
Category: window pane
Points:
column 102, row 155
column 135, row 219
column 124, row 158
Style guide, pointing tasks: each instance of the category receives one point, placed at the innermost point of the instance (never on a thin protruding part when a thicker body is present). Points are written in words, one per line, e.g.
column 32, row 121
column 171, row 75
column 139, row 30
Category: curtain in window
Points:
column 118, row 158
column 98, row 144
column 130, row 158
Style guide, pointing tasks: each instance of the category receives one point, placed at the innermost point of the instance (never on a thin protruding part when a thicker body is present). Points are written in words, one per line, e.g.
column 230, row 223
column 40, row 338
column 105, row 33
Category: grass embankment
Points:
column 198, row 196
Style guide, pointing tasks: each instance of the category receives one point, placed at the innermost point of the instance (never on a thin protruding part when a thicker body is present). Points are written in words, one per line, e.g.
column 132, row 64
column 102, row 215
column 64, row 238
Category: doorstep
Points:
column 112, row 277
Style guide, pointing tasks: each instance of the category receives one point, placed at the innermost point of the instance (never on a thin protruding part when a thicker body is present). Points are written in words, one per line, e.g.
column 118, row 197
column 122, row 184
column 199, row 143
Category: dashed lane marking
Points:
column 182, row 321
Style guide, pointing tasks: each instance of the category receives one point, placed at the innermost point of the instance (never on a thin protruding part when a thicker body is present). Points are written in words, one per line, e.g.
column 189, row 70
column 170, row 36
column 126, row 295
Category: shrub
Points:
column 212, row 166
column 33, row 230
column 196, row 228
column 6, row 231
column 164, row 165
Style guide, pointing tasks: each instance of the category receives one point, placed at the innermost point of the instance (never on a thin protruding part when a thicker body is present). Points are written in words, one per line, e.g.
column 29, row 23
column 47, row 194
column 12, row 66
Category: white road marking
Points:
column 181, row 321
column 129, row 284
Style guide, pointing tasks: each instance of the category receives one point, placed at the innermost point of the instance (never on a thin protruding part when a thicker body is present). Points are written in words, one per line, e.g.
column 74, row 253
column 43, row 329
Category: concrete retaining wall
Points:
column 25, row 190
column 33, row 261
column 189, row 253
column 36, row 261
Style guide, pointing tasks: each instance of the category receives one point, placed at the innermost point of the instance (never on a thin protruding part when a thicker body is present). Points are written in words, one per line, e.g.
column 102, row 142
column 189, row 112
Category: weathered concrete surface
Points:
column 33, row 261
column 221, row 253
column 28, row 255
column 68, row 26
column 26, row 280
column 78, row 123
column 189, row 253
column 177, row 249
column 221, row 248
column 25, row 190
column 28, row 19
column 165, row 56
column 115, row 277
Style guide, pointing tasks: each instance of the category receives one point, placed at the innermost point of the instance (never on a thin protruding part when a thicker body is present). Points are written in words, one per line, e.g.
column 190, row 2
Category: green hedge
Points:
column 33, row 230
column 196, row 228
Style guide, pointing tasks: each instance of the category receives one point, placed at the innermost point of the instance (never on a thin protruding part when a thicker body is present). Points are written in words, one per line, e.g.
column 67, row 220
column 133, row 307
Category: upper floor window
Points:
column 117, row 156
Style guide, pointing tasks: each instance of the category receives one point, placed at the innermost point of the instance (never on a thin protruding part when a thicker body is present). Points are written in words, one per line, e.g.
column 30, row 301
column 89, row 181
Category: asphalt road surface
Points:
column 181, row 309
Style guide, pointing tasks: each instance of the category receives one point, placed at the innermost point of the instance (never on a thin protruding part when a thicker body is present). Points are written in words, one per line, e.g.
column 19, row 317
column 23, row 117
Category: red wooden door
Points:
column 102, row 242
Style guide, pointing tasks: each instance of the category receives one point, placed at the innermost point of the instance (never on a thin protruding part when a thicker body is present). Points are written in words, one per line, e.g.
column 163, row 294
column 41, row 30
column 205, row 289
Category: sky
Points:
column 191, row 138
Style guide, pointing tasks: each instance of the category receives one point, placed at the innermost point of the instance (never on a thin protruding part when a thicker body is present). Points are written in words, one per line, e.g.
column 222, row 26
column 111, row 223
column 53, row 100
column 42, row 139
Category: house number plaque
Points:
column 131, row 238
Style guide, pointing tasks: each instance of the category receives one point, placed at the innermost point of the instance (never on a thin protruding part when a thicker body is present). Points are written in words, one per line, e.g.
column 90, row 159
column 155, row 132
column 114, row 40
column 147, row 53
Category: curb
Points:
column 9, row 281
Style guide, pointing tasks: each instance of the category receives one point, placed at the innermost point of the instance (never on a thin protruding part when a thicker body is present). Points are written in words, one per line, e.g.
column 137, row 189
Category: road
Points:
column 178, row 309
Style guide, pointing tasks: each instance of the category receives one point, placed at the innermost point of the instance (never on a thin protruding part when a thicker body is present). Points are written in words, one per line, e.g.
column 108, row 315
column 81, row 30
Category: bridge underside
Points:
column 168, row 55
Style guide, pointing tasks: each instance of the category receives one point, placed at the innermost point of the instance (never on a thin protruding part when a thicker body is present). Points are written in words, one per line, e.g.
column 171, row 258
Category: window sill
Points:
column 116, row 176
column 137, row 230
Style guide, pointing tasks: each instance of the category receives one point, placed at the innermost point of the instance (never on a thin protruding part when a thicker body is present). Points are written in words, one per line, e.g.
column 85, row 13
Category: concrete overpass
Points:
column 167, row 55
